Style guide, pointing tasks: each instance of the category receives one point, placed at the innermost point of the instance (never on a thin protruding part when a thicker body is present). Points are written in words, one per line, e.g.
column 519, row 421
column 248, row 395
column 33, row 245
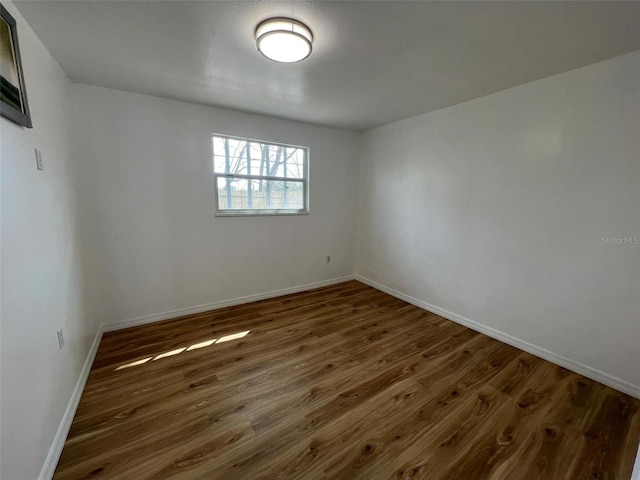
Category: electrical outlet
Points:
column 39, row 159
column 328, row 258
column 60, row 338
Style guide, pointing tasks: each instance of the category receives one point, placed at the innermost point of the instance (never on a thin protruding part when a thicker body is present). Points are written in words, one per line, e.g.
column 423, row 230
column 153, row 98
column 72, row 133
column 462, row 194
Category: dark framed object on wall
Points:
column 13, row 94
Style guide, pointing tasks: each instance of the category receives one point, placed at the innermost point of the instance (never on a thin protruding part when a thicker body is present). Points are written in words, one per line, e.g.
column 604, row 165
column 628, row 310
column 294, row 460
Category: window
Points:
column 259, row 178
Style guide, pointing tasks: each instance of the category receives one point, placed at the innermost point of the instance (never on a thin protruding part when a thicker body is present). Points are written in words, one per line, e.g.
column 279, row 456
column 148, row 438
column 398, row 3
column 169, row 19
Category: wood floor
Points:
column 342, row 382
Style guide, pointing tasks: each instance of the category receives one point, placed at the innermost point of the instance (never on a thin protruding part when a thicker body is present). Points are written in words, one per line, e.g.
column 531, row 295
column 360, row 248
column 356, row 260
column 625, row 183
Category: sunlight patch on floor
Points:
column 177, row 351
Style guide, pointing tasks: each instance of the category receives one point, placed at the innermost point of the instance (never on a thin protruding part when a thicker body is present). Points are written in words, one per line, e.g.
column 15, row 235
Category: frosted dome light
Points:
column 284, row 40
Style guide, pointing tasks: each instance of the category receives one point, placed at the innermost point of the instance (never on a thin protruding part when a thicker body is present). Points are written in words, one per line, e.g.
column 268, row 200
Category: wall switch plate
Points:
column 60, row 338
column 328, row 258
column 39, row 159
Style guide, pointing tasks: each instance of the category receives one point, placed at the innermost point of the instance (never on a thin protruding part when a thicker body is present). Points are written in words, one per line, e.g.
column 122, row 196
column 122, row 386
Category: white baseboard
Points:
column 635, row 475
column 581, row 368
column 156, row 317
column 49, row 467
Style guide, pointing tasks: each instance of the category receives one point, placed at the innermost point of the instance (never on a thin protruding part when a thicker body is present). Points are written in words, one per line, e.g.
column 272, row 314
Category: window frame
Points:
column 256, row 212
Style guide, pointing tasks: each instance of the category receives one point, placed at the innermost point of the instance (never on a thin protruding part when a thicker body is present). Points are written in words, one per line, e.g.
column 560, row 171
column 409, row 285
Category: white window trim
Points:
column 254, row 212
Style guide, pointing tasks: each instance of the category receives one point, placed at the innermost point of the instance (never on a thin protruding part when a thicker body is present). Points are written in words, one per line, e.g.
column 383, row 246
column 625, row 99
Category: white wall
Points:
column 41, row 269
column 496, row 209
column 147, row 188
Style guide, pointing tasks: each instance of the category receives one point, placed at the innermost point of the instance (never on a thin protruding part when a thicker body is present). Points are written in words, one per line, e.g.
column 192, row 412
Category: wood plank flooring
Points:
column 343, row 382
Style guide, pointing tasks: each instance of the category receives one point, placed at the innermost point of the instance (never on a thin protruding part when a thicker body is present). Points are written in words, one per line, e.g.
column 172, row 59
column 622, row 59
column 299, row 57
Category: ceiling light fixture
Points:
column 284, row 40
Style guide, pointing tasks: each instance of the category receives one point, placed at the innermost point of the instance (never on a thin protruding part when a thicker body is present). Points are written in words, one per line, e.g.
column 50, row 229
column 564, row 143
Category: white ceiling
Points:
column 373, row 62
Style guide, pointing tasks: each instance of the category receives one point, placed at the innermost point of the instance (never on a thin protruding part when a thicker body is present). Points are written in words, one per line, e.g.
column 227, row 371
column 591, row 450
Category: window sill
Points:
column 259, row 213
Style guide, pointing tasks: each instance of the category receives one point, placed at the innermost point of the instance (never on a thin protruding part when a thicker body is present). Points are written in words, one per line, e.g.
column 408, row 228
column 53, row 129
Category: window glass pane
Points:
column 230, row 155
column 283, row 161
column 241, row 194
column 244, row 157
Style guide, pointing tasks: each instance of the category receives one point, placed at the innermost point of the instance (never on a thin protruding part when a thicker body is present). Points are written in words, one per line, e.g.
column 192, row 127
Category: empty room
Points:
column 319, row 240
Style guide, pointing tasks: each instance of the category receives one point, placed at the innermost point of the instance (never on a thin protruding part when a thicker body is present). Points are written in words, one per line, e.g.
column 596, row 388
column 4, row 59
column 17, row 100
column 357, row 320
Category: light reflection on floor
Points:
column 195, row 346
